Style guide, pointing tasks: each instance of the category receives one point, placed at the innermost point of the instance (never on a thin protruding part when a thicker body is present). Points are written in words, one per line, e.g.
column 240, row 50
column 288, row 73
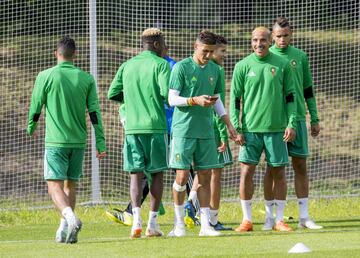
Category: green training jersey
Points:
column 266, row 89
column 192, row 80
column 66, row 91
column 219, row 125
column 303, row 81
column 141, row 83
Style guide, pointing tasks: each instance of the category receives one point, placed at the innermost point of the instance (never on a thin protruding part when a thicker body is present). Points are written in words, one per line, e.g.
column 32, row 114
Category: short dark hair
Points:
column 66, row 46
column 207, row 37
column 221, row 40
column 282, row 22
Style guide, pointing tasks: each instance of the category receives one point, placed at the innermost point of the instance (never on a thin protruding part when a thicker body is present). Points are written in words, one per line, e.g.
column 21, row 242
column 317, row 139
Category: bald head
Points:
column 262, row 30
column 260, row 41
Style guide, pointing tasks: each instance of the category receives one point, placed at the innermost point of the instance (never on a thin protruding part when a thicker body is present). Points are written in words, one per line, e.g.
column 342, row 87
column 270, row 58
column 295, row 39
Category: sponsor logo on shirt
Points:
column 194, row 79
column 251, row 74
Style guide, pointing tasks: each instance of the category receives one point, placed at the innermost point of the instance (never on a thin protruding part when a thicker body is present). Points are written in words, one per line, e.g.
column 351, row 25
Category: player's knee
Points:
column 179, row 188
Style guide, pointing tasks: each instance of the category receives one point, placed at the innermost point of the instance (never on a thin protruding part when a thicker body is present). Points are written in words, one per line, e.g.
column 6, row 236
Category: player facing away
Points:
column 195, row 86
column 223, row 148
column 66, row 91
column 142, row 84
column 125, row 216
column 298, row 149
column 263, row 84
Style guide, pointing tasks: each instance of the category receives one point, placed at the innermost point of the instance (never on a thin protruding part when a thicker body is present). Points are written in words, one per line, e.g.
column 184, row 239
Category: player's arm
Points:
column 163, row 79
column 236, row 93
column 38, row 99
column 95, row 118
column 115, row 92
column 289, row 90
column 309, row 96
column 219, row 123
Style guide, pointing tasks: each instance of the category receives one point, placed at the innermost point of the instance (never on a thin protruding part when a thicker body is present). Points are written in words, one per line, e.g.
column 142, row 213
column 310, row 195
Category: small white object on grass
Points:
column 299, row 248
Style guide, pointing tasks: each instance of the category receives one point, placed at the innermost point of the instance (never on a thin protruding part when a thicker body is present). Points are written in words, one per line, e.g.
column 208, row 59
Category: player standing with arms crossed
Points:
column 263, row 83
column 298, row 149
column 66, row 91
column 142, row 84
column 195, row 86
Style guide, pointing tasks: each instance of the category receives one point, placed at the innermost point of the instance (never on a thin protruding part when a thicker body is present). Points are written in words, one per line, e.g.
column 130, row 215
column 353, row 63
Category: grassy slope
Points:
column 30, row 234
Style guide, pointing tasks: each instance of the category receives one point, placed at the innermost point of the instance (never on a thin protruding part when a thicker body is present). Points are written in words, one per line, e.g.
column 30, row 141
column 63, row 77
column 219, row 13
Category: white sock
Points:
column 214, row 216
column 280, row 207
column 136, row 218
column 205, row 217
column 179, row 215
column 152, row 219
column 193, row 197
column 69, row 215
column 269, row 209
column 246, row 209
column 63, row 224
column 303, row 207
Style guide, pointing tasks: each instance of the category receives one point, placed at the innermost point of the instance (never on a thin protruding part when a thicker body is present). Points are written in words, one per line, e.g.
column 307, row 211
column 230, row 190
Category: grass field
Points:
column 31, row 234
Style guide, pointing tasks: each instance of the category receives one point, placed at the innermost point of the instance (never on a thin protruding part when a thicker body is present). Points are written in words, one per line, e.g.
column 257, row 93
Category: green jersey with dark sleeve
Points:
column 141, row 83
column 266, row 89
column 219, row 125
column 192, row 80
column 66, row 91
column 303, row 81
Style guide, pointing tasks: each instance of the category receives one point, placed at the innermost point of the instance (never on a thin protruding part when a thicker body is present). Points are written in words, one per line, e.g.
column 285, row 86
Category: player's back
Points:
column 67, row 88
column 145, row 79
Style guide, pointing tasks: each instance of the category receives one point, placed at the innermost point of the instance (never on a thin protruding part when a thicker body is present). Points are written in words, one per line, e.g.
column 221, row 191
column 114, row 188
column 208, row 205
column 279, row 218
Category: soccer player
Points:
column 298, row 150
column 263, row 83
column 125, row 216
column 66, row 91
column 223, row 148
column 142, row 84
column 195, row 85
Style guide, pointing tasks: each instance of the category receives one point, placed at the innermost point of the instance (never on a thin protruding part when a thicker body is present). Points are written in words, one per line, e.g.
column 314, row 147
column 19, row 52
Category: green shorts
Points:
column 224, row 158
column 276, row 152
column 299, row 147
column 187, row 151
column 145, row 152
column 63, row 163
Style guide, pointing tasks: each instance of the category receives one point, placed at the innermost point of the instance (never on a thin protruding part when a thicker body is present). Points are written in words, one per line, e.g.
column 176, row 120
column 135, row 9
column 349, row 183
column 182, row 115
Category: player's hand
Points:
column 232, row 131
column 222, row 147
column 289, row 135
column 204, row 100
column 315, row 130
column 240, row 139
column 100, row 155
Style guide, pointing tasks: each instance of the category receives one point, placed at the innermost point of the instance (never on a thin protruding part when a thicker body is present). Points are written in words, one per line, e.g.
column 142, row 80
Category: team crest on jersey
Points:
column 273, row 71
column 177, row 157
column 211, row 80
column 293, row 63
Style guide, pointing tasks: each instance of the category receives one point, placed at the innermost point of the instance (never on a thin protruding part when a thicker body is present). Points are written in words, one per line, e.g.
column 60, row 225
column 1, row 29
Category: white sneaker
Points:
column 154, row 232
column 178, row 231
column 74, row 228
column 60, row 236
column 269, row 224
column 308, row 223
column 209, row 231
